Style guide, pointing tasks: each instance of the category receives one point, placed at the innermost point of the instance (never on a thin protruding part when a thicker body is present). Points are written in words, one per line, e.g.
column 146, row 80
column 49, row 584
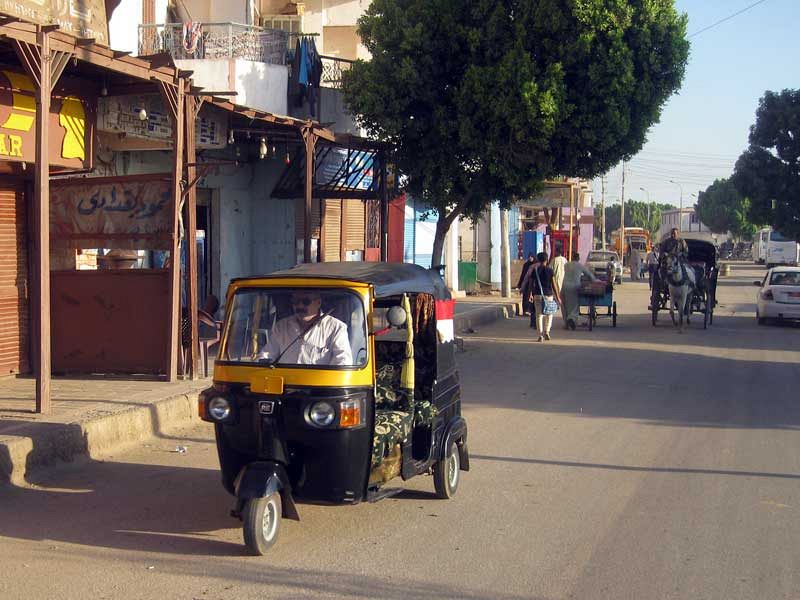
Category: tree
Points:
column 723, row 209
column 768, row 172
column 484, row 100
column 636, row 215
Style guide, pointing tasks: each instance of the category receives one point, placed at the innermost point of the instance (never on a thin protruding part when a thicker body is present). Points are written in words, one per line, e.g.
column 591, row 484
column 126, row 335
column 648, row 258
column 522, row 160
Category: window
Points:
column 296, row 327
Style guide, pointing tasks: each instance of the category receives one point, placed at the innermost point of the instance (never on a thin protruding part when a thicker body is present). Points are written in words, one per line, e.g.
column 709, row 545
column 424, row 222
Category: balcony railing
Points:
column 214, row 40
column 332, row 69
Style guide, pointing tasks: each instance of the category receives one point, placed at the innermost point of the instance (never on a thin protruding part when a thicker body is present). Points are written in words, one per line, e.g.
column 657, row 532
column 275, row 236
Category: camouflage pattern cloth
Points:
column 424, row 412
column 391, row 427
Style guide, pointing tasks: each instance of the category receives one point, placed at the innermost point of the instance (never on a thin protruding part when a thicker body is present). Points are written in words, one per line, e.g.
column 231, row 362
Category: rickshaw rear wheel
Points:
column 262, row 523
column 447, row 473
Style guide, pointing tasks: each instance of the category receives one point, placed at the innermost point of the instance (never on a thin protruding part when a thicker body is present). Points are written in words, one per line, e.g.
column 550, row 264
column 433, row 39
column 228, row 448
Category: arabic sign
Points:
column 112, row 212
column 81, row 18
column 120, row 114
column 72, row 118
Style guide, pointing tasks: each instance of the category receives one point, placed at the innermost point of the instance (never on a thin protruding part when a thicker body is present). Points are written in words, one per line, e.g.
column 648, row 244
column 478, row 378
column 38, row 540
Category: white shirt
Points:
column 558, row 264
column 325, row 343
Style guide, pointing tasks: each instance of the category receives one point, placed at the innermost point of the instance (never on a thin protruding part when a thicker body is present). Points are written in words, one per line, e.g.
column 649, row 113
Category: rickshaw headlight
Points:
column 322, row 414
column 219, row 408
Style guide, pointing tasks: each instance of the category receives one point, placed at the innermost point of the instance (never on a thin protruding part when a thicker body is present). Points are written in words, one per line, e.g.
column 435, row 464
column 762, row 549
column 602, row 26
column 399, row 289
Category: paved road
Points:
column 627, row 463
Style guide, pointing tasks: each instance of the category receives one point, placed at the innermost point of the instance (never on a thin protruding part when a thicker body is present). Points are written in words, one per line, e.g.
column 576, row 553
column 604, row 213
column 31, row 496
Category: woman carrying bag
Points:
column 545, row 296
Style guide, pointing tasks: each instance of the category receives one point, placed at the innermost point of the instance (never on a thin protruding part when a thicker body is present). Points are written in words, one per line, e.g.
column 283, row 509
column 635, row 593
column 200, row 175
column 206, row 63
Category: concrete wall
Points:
column 258, row 85
column 123, row 30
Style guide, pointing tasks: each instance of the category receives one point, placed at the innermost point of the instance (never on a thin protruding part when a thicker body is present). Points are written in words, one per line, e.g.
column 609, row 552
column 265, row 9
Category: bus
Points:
column 636, row 238
column 781, row 250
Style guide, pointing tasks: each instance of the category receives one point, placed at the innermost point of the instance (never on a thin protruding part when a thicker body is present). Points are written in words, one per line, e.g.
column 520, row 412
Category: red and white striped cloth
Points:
column 445, row 309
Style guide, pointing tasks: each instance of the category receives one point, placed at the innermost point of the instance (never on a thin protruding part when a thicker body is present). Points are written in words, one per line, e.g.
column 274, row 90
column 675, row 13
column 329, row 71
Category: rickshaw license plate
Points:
column 266, row 407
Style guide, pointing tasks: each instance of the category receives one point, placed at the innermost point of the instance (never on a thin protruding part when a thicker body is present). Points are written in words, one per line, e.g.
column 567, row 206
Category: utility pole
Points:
column 603, row 211
column 505, row 256
column 622, row 218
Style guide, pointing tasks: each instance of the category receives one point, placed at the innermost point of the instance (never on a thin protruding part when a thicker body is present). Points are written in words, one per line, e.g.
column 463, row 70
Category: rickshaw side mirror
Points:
column 396, row 316
column 757, row 283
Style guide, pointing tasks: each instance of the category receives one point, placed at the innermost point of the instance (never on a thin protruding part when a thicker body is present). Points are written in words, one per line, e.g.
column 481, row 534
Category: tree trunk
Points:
column 442, row 227
column 438, row 242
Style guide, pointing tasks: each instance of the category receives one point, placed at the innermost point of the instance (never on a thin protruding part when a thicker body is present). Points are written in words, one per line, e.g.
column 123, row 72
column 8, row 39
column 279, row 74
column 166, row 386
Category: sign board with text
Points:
column 81, row 18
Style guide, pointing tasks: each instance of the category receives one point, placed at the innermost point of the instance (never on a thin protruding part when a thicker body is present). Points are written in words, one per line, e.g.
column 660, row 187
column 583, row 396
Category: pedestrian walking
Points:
column 545, row 296
column 636, row 265
column 557, row 264
column 570, row 301
column 527, row 307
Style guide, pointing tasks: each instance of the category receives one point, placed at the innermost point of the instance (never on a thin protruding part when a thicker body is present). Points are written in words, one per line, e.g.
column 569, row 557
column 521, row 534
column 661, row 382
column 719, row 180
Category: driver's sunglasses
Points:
column 304, row 301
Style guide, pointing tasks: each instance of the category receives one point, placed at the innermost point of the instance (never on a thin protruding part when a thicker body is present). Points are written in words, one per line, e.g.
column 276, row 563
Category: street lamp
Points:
column 648, row 205
column 680, row 212
column 693, row 195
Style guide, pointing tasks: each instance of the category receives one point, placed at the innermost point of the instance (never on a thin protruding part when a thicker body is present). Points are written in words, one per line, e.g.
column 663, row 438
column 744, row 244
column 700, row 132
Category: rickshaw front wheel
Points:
column 447, row 473
column 262, row 523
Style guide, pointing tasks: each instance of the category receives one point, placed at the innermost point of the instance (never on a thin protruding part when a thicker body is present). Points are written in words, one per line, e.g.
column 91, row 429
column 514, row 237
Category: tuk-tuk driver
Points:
column 309, row 336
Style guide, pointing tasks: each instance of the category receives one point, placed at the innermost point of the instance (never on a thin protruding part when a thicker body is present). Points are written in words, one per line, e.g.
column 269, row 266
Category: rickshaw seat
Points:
column 391, row 427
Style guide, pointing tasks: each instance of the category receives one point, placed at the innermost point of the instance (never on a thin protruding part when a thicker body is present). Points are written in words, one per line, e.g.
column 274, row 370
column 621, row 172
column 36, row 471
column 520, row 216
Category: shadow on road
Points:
column 561, row 463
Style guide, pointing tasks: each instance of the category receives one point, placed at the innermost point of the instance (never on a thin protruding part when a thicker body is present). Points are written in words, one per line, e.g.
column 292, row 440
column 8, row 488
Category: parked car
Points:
column 779, row 296
column 598, row 261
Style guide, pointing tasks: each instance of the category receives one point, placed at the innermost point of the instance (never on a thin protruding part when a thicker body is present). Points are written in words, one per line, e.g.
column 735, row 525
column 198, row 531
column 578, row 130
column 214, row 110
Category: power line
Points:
column 728, row 18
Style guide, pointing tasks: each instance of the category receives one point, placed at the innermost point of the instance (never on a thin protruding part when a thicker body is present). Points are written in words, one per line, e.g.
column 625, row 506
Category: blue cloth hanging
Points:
column 304, row 62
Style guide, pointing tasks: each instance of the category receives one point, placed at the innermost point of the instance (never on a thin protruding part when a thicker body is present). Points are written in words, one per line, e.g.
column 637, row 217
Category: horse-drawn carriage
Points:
column 686, row 286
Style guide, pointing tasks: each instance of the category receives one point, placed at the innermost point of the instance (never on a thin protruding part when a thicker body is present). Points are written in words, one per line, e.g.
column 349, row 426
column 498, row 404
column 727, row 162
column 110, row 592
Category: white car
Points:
column 779, row 296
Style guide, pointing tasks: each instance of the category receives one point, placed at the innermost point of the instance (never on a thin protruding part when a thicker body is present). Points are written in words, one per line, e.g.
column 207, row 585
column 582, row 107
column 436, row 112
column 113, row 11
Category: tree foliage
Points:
column 768, row 172
column 484, row 100
column 636, row 215
column 723, row 209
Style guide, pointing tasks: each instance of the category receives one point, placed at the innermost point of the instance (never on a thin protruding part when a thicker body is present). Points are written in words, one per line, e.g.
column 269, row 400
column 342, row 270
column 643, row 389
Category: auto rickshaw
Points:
column 332, row 380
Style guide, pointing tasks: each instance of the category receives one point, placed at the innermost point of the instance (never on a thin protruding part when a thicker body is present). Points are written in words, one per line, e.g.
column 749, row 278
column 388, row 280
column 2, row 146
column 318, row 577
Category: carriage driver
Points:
column 675, row 245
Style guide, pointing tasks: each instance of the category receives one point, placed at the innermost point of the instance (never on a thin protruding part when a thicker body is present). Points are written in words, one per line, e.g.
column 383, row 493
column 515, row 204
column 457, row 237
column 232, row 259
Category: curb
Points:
column 484, row 316
column 50, row 443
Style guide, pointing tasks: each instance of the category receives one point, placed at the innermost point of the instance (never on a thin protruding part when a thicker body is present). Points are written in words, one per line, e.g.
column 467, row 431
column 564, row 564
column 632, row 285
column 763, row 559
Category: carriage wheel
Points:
column 655, row 316
column 614, row 315
column 592, row 316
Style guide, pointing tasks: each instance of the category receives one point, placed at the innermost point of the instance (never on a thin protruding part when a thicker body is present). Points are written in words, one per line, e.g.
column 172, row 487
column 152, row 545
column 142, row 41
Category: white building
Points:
column 688, row 224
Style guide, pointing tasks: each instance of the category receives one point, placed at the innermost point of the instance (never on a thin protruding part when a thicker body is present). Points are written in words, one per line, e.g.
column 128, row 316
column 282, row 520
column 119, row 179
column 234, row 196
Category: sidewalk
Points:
column 89, row 417
column 97, row 416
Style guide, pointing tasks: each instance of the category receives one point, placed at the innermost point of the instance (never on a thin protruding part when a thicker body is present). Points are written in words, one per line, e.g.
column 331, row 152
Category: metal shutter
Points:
column 333, row 228
column 14, row 314
column 354, row 225
column 299, row 213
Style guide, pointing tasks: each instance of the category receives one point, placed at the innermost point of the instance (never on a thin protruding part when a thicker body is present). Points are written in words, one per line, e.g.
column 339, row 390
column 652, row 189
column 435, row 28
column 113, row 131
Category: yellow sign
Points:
column 71, row 125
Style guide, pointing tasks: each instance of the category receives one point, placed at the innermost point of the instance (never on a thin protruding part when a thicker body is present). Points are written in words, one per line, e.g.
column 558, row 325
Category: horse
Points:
column 681, row 281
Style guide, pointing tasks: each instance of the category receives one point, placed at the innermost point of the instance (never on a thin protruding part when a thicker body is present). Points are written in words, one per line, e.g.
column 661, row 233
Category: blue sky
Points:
column 704, row 128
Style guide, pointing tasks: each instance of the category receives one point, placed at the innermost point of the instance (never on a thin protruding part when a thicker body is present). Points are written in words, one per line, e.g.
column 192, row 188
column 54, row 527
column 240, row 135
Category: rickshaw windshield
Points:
column 296, row 327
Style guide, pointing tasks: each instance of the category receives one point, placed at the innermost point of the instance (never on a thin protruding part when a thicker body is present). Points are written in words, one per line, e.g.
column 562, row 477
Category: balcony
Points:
column 248, row 60
column 214, row 41
column 332, row 69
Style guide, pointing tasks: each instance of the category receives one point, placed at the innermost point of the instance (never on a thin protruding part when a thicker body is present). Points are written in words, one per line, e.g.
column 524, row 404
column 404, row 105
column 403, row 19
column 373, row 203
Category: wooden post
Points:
column 192, row 109
column 174, row 99
column 571, row 220
column 310, row 142
column 45, row 68
column 41, row 225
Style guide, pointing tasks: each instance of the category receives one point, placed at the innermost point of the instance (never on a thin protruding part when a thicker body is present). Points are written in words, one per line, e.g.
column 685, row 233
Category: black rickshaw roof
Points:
column 702, row 250
column 388, row 279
